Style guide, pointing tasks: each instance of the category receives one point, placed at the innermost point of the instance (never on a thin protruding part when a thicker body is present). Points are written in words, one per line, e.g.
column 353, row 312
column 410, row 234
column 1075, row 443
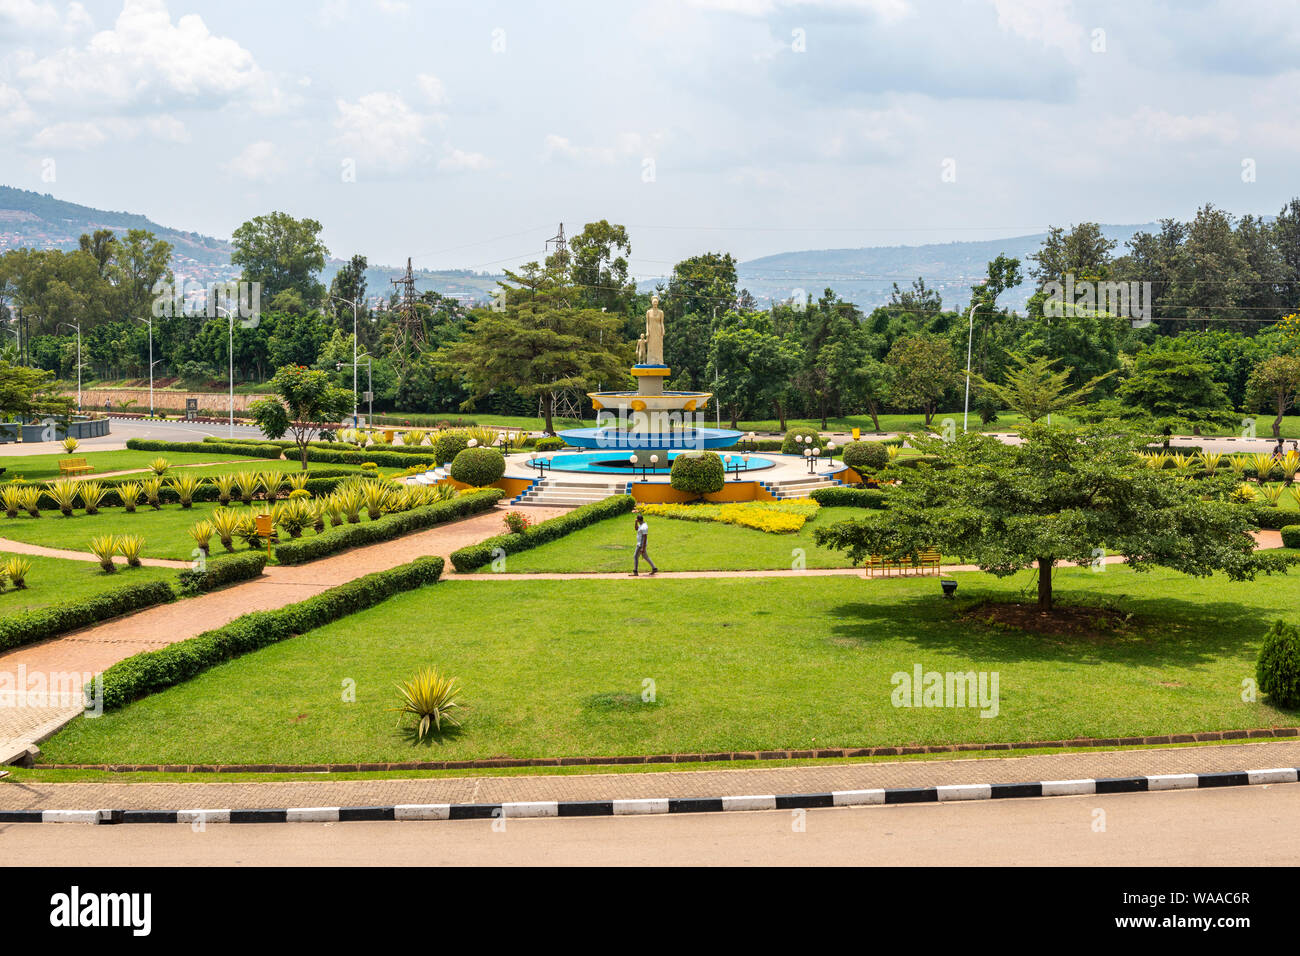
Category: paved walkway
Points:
column 16, row 795
column 95, row 648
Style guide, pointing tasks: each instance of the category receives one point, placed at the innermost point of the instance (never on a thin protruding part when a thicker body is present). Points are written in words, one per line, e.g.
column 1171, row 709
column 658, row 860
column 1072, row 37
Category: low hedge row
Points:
column 1291, row 536
column 39, row 624
column 1270, row 518
column 326, row 480
column 152, row 671
column 478, row 555
column 259, row 450
column 387, row 459
column 839, row 497
column 216, row 574
column 302, row 550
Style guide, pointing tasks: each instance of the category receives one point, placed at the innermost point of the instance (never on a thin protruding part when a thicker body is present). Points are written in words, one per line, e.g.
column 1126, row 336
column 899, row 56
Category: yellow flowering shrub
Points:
column 777, row 517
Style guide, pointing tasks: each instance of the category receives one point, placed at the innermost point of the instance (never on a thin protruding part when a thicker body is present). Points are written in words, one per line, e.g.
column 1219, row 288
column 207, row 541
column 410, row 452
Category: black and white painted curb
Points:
column 657, row 805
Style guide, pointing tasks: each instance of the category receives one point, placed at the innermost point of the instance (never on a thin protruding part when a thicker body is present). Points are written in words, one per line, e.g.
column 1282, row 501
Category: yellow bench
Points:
column 74, row 466
column 927, row 562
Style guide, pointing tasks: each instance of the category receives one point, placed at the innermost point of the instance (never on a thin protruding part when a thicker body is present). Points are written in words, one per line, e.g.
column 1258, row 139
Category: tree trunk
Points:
column 735, row 412
column 303, row 448
column 1277, row 422
column 1045, row 584
column 780, row 414
column 875, row 416
column 546, row 404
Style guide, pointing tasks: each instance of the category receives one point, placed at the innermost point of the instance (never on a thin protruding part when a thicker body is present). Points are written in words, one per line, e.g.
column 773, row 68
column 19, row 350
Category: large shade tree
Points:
column 1057, row 497
column 304, row 398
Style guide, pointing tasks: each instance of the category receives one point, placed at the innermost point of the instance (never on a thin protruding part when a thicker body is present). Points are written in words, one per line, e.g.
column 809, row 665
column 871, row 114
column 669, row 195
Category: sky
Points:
column 462, row 133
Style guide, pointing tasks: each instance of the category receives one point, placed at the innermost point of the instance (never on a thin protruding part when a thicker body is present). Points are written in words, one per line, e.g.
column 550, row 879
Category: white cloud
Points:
column 261, row 161
column 625, row 145
column 147, row 59
column 30, row 16
column 432, row 88
column 884, row 9
column 458, row 160
column 76, row 135
column 380, row 129
column 1048, row 22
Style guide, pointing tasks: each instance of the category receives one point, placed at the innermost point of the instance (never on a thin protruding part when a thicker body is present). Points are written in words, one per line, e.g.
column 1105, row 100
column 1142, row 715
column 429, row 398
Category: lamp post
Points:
column 152, row 363
column 970, row 338
column 230, row 316
column 77, row 326
column 370, row 389
column 353, row 303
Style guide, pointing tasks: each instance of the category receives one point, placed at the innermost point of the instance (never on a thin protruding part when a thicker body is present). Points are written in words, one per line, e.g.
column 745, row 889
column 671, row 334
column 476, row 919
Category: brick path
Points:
column 95, row 648
column 16, row 795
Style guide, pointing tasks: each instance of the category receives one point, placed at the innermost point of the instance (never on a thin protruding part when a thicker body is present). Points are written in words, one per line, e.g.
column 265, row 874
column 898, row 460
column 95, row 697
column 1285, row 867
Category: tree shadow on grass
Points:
column 1161, row 631
column 410, row 734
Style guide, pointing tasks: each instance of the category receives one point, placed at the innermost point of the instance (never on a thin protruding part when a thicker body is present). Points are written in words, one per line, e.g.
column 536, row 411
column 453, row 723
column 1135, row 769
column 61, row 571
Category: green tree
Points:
column 1035, row 390
column 25, row 392
column 282, row 253
column 598, row 267
column 752, row 365
column 1176, row 390
column 304, row 398
column 1062, row 495
column 538, row 343
column 923, row 372
column 1275, row 384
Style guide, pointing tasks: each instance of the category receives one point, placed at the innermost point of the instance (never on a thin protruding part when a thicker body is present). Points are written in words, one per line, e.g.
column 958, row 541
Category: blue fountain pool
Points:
column 613, row 463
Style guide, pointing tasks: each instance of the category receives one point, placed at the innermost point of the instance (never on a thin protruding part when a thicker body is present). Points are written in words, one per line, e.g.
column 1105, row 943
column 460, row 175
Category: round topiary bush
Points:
column 447, row 445
column 791, row 447
column 865, row 456
column 478, row 466
column 1278, row 669
column 1291, row 536
column 698, row 473
column 550, row 443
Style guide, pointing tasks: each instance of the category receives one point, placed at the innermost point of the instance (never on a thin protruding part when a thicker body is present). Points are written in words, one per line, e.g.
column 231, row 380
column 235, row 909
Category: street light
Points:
column 970, row 338
column 77, row 326
column 152, row 363
column 231, row 316
column 352, row 302
column 370, row 388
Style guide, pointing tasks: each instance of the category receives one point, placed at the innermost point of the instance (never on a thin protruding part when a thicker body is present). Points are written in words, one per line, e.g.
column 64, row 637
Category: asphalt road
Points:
column 1252, row 826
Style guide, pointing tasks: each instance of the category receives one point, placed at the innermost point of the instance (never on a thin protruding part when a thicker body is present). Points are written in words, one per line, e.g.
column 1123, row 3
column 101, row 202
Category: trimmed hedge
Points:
column 478, row 466
column 478, row 555
column 395, row 525
column 388, row 459
column 1291, row 536
column 447, row 445
column 261, row 450
column 865, row 456
column 1271, row 518
column 697, row 473
column 152, row 671
column 326, row 480
column 215, row 574
column 39, row 624
column 840, row 497
column 1278, row 668
column 550, row 443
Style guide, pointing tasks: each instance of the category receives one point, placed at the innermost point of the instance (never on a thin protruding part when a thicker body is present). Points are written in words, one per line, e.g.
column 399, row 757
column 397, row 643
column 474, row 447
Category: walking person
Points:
column 642, row 533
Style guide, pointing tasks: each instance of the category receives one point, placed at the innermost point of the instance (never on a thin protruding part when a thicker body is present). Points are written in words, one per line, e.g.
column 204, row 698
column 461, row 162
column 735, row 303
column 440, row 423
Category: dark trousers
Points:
column 641, row 553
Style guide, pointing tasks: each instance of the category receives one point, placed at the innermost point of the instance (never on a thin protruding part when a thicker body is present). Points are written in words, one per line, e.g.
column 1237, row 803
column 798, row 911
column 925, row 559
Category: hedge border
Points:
column 260, row 450
column 326, row 481
column 151, row 671
column 474, row 556
column 334, row 540
column 843, row 497
column 1291, row 536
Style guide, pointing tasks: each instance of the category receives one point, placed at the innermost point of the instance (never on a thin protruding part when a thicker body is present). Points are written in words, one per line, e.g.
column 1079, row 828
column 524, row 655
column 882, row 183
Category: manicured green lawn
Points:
column 165, row 532
column 678, row 545
column 559, row 668
column 46, row 467
column 59, row 580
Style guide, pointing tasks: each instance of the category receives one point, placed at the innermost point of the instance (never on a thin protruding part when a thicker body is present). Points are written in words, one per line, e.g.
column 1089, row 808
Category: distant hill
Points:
column 866, row 276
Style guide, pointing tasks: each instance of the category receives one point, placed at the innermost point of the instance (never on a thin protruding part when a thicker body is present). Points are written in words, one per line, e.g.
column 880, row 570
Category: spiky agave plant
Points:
column 1263, row 463
column 430, row 698
column 297, row 481
column 333, row 510
column 129, row 492
column 92, row 495
column 17, row 569
column 247, row 482
column 70, row 444
column 130, row 546
column 414, row 436
column 316, row 509
column 1271, row 494
column 185, row 486
column 153, row 492
column 248, row 533
column 350, row 502
column 293, row 516
column 1238, row 464
column 104, row 546
column 64, row 493
column 30, row 498
column 225, row 485
column 1211, row 461
column 159, row 466
column 202, row 533
column 376, row 496
column 1294, row 492
column 225, row 523
column 271, row 482
column 12, row 500
column 1288, row 466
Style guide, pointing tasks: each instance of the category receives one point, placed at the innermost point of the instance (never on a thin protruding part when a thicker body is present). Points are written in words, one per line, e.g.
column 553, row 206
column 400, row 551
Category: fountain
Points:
column 650, row 422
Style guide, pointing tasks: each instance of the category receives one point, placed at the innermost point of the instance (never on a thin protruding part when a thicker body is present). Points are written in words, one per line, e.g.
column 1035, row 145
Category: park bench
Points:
column 927, row 562
column 74, row 466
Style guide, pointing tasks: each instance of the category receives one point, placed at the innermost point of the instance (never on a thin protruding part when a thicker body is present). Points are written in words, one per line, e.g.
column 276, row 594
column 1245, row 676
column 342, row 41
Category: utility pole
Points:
column 353, row 303
column 149, row 321
column 410, row 329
